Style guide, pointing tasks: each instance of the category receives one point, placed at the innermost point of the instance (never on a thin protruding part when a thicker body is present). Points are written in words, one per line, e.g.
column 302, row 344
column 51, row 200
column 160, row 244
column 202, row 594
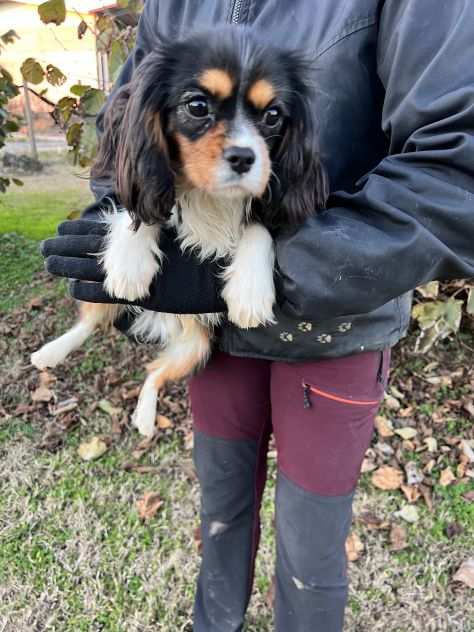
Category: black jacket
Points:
column 395, row 98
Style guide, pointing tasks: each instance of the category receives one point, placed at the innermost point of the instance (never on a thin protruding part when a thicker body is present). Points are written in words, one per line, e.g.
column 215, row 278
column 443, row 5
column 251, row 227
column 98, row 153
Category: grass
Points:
column 36, row 214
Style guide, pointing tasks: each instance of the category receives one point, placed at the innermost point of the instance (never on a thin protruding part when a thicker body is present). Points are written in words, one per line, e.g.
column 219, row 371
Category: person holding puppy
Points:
column 394, row 88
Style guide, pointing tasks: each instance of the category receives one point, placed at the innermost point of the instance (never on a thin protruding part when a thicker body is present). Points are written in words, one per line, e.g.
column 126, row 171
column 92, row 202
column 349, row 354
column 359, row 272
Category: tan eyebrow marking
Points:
column 218, row 82
column 261, row 93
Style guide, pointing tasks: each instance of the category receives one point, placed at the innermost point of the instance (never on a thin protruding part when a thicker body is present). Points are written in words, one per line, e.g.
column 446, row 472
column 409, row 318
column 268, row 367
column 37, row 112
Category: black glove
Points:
column 184, row 285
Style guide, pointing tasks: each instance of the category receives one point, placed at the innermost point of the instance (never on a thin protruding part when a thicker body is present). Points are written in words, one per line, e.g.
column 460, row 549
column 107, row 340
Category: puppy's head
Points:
column 227, row 114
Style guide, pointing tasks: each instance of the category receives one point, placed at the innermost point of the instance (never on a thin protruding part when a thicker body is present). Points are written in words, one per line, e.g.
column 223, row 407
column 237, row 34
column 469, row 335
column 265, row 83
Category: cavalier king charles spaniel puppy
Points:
column 216, row 136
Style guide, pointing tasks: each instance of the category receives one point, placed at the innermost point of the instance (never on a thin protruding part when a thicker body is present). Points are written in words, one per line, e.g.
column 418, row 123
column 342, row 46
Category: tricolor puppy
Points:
column 216, row 136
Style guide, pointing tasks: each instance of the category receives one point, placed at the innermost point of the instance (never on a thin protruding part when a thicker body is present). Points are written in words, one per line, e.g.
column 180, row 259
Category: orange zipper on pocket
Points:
column 307, row 388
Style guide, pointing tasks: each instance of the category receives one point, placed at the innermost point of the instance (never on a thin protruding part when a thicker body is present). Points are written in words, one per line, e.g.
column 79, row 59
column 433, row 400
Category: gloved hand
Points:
column 184, row 285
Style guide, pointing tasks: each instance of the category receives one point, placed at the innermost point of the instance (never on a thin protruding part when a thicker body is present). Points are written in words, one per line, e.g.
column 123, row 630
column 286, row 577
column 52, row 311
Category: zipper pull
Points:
column 306, row 399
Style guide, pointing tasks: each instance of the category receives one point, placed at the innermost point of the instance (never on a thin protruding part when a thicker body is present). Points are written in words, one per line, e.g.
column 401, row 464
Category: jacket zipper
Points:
column 236, row 11
column 308, row 388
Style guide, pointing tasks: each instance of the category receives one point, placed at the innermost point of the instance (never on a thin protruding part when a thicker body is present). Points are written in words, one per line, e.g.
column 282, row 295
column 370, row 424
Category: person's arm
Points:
column 412, row 219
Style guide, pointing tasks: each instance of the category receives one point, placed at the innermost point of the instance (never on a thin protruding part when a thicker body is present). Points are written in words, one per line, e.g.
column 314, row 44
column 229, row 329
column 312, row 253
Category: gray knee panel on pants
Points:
column 226, row 472
column 311, row 572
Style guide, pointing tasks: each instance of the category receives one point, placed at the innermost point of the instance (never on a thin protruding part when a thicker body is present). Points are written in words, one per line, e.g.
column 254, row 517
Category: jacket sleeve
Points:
column 411, row 219
column 145, row 40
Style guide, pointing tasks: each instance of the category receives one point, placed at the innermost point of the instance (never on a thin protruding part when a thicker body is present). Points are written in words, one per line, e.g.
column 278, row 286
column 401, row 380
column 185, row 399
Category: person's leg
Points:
column 322, row 417
column 230, row 400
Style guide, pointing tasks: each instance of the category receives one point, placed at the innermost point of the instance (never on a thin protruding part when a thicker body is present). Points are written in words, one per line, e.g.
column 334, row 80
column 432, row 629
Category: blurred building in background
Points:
column 79, row 59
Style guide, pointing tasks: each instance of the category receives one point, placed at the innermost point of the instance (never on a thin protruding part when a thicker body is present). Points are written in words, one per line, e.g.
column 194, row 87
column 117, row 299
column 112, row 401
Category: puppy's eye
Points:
column 199, row 108
column 271, row 117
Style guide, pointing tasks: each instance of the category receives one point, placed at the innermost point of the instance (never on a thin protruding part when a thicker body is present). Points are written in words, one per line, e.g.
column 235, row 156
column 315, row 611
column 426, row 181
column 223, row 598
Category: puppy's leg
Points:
column 131, row 258
column 183, row 354
column 249, row 290
column 91, row 316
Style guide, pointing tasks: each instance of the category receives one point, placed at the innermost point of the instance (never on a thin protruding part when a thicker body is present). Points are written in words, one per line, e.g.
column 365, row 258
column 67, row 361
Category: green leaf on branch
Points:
column 88, row 143
column 53, row 11
column 11, row 126
column 430, row 290
column 73, row 135
column 65, row 107
column 117, row 57
column 54, row 76
column 82, row 29
column 19, row 183
column 9, row 37
column 32, row 71
column 79, row 90
column 92, row 101
column 437, row 320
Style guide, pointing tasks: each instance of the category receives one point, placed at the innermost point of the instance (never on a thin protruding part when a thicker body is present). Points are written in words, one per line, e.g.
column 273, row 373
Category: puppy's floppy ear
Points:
column 104, row 162
column 301, row 186
column 144, row 178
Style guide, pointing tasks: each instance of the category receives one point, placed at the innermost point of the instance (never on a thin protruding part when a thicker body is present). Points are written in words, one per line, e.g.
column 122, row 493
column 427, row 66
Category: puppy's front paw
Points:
column 131, row 258
column 250, row 300
column 250, row 290
column 130, row 279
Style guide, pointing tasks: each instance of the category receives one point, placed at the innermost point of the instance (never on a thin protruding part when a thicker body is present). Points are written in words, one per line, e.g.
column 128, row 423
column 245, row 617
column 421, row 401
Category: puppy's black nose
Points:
column 240, row 159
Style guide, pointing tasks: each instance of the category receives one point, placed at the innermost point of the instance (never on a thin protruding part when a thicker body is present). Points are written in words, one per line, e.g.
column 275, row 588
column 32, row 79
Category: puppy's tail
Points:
column 91, row 316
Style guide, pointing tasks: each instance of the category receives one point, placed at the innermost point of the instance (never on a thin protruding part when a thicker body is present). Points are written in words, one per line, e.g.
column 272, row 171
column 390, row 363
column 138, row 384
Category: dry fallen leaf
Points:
column 144, row 445
column 65, row 406
column 414, row 476
column 465, row 573
column 468, row 451
column 93, row 449
column 431, row 444
column 453, row 529
column 427, row 496
column 270, row 596
column 407, row 432
column 36, row 302
column 367, row 466
column 198, row 539
column 354, row 547
column 108, row 408
column 412, row 493
column 409, row 513
column 130, row 393
column 384, row 426
column 43, row 393
column 140, row 469
column 372, row 521
column 189, row 440
column 387, row 477
column 149, row 505
column 164, row 422
column 469, row 496
column 398, row 538
column 447, row 477
column 391, row 402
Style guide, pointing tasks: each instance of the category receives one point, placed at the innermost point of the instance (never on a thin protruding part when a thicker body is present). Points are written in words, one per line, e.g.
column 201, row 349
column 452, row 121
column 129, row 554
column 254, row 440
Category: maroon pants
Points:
column 321, row 414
